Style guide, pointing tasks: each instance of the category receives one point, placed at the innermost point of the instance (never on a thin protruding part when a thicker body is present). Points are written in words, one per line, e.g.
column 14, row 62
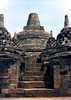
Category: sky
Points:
column 51, row 14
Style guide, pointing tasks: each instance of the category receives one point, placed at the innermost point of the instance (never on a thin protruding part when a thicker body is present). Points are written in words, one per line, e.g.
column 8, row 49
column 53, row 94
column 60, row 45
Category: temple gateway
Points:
column 33, row 63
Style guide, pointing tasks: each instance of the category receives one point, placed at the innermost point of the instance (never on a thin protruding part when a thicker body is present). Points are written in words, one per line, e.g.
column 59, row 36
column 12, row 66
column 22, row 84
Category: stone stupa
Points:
column 33, row 38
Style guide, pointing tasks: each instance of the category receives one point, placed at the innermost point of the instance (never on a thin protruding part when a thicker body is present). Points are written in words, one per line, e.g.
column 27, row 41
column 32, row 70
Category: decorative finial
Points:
column 51, row 33
column 66, row 23
column 15, row 35
column 33, row 20
column 33, row 23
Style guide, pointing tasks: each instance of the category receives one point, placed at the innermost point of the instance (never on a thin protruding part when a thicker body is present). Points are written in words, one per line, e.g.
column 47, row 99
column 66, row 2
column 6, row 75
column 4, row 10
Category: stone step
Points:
column 33, row 92
column 35, row 84
column 34, row 73
column 34, row 78
column 30, row 60
column 34, row 65
column 22, row 89
column 36, row 69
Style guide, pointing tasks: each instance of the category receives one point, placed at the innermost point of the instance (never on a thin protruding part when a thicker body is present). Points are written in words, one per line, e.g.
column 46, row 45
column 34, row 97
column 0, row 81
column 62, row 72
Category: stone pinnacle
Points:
column 1, row 20
column 33, row 20
column 66, row 22
column 51, row 33
column 15, row 35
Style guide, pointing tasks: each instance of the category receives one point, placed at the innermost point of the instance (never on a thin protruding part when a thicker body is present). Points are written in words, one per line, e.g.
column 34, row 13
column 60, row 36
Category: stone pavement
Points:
column 55, row 98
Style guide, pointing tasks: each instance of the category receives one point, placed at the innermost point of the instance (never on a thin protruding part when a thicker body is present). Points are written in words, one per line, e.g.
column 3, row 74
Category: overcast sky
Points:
column 51, row 13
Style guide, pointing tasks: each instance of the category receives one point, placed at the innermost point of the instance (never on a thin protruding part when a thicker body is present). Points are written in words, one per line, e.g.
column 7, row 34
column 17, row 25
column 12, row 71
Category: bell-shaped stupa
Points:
column 33, row 38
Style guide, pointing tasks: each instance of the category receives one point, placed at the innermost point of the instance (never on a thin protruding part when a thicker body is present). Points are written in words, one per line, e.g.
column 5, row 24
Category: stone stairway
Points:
column 34, row 79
